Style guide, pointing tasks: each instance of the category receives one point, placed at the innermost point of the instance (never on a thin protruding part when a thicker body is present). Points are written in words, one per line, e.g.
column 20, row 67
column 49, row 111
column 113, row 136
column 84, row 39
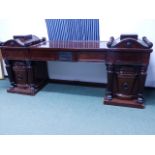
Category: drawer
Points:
column 15, row 54
column 127, row 58
column 43, row 55
column 91, row 56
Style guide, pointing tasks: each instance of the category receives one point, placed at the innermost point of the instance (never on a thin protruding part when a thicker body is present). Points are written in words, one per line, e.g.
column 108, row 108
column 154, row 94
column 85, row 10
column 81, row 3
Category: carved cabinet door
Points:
column 125, row 82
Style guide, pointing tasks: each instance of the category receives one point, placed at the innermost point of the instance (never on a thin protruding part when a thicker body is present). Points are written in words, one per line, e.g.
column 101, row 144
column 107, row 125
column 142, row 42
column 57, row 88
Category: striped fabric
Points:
column 72, row 29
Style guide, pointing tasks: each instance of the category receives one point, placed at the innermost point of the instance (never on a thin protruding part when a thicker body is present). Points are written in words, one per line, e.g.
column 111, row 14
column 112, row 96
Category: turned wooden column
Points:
column 8, row 65
column 142, row 78
column 110, row 72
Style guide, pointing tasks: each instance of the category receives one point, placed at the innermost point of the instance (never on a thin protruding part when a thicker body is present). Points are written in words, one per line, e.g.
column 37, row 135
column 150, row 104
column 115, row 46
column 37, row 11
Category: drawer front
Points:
column 127, row 58
column 15, row 54
column 43, row 55
column 91, row 56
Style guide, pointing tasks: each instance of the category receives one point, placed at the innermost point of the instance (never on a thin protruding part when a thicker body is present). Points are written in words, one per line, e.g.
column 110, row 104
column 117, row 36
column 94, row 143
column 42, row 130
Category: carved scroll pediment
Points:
column 14, row 43
column 129, row 41
column 23, row 41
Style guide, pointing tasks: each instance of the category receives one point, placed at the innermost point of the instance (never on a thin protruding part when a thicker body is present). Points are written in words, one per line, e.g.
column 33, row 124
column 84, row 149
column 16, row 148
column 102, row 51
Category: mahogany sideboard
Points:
column 126, row 60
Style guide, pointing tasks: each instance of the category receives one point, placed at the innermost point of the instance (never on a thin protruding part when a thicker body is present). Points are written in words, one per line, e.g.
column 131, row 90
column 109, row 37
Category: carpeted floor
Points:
column 67, row 109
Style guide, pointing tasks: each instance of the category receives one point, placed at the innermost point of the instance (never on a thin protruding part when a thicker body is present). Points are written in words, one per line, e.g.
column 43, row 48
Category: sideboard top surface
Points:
column 72, row 45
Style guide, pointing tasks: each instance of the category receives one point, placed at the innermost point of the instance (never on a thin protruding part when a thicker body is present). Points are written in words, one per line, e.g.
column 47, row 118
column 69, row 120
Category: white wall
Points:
column 92, row 72
column 10, row 27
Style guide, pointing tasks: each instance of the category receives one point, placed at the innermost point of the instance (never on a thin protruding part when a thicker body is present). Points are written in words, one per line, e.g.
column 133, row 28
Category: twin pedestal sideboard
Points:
column 126, row 60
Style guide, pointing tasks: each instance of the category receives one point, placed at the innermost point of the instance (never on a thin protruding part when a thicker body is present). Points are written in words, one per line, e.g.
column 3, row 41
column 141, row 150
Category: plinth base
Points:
column 29, row 90
column 26, row 91
column 126, row 103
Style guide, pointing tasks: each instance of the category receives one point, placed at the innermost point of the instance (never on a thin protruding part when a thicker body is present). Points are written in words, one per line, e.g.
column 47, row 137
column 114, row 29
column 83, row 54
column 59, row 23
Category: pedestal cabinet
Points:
column 26, row 76
column 127, row 60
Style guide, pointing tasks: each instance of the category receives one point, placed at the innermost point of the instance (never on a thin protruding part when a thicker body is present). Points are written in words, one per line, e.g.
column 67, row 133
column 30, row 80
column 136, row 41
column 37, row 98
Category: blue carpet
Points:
column 67, row 109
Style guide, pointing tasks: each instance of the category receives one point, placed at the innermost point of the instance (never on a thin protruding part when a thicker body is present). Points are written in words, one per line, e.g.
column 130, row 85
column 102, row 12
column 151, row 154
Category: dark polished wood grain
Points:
column 126, row 58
